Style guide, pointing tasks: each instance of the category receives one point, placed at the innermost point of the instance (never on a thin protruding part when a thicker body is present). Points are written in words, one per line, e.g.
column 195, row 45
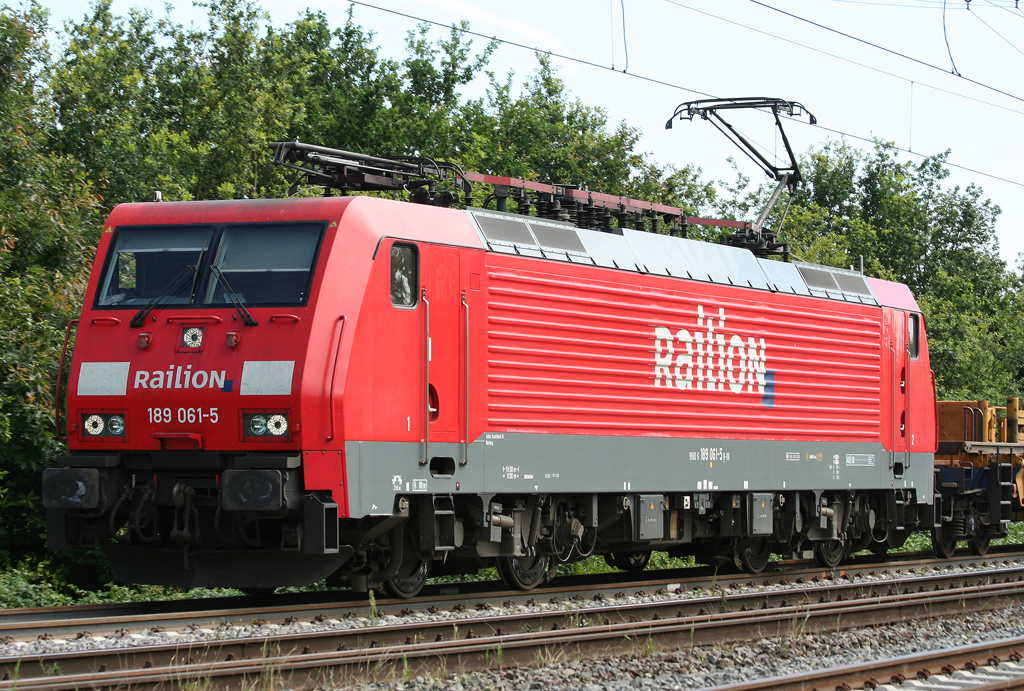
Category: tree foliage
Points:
column 128, row 105
column 907, row 226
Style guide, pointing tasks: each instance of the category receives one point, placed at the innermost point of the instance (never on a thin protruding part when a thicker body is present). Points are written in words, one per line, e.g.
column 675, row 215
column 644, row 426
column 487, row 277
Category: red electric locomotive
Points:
column 274, row 392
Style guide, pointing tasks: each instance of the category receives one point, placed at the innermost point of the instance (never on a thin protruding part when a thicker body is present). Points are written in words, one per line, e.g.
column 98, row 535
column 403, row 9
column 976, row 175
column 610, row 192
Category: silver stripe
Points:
column 103, row 379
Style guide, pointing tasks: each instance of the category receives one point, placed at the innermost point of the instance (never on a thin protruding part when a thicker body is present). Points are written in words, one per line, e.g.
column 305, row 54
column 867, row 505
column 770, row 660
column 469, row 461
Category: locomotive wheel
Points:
column 412, row 574
column 751, row 555
column 634, row 562
column 980, row 542
column 944, row 542
column 829, row 553
column 522, row 573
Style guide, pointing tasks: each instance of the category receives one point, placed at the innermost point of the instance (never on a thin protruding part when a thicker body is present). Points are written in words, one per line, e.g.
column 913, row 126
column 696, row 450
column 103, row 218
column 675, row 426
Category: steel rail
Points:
column 895, row 670
column 68, row 622
column 423, row 647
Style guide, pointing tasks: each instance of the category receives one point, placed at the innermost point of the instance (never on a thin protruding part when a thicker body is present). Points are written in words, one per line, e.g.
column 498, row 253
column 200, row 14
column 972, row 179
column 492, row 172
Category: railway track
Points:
column 88, row 621
column 579, row 628
column 981, row 667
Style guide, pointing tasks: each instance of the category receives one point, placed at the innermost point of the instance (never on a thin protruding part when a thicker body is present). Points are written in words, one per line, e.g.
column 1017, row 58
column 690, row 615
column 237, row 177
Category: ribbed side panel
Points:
column 573, row 354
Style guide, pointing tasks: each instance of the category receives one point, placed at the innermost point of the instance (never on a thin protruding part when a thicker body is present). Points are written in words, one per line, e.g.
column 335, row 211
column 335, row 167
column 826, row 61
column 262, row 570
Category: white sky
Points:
column 678, row 42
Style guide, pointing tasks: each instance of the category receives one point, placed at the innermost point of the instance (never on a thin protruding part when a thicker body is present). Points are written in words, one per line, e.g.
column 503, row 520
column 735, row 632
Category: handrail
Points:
column 426, row 377
column 465, row 458
column 334, row 372
column 908, row 400
column 60, row 379
column 196, row 318
column 290, row 317
column 105, row 320
column 892, row 413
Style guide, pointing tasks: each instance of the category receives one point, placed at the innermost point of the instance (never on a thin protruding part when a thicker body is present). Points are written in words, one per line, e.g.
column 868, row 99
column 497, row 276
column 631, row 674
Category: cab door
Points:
column 443, row 339
column 896, row 329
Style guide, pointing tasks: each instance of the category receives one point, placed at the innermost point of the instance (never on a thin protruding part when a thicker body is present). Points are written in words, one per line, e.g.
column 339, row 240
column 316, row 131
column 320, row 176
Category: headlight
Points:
column 258, row 425
column 115, row 425
column 269, row 425
column 277, row 425
column 94, row 425
column 103, row 425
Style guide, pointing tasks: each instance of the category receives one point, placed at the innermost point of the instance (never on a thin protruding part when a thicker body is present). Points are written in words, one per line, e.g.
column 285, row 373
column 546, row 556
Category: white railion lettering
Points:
column 720, row 375
column 700, row 360
column 200, row 379
column 684, row 361
column 709, row 354
column 734, row 374
column 755, row 365
column 663, row 351
column 708, row 358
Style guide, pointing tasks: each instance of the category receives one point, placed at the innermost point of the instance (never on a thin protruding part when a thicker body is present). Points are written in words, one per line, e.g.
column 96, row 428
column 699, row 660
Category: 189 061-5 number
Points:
column 184, row 415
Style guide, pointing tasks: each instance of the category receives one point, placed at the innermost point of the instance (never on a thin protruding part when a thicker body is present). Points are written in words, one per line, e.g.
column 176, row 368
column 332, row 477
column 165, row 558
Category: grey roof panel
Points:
column 633, row 250
column 509, row 231
column 783, row 277
column 608, row 250
column 648, row 258
column 702, row 261
column 836, row 284
column 852, row 283
column 819, row 278
column 557, row 236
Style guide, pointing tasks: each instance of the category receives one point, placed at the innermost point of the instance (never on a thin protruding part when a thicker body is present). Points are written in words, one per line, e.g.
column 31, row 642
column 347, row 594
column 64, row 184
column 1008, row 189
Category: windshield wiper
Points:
column 232, row 296
column 165, row 293
column 195, row 278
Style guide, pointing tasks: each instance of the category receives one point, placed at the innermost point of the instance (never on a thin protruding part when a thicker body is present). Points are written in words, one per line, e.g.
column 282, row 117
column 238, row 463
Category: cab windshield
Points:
column 263, row 264
column 143, row 262
column 251, row 264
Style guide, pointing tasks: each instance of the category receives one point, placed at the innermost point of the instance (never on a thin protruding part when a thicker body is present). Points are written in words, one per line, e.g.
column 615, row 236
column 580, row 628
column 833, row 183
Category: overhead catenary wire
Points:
column 611, row 27
column 841, row 58
column 1018, row 15
column 651, row 80
column 992, row 29
column 887, row 50
column 915, row 153
column 916, row 5
column 945, row 37
column 534, row 49
column 625, row 47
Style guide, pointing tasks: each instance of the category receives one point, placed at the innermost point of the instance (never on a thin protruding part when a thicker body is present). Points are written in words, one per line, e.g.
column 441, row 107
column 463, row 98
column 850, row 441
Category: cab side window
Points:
column 914, row 335
column 403, row 275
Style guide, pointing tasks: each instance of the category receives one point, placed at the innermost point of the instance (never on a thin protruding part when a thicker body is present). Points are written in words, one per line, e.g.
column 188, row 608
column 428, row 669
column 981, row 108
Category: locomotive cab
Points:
column 187, row 397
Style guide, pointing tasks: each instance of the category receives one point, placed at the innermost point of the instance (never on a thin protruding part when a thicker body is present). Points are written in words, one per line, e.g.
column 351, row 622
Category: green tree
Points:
column 46, row 210
column 908, row 226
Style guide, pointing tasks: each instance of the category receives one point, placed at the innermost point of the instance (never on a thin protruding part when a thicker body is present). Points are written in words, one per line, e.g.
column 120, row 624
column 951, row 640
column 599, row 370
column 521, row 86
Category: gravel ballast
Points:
column 704, row 666
column 654, row 669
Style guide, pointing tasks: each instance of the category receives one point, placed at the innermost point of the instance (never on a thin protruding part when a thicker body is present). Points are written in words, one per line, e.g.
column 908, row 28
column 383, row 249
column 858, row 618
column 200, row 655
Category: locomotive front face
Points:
column 190, row 367
column 186, row 404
